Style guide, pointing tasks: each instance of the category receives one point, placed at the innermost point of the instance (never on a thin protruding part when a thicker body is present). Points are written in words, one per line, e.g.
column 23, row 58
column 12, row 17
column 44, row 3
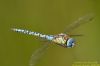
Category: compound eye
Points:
column 70, row 42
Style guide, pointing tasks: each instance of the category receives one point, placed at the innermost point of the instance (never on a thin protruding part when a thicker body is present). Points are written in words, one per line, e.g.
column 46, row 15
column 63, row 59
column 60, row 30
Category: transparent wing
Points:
column 80, row 21
column 76, row 35
column 37, row 55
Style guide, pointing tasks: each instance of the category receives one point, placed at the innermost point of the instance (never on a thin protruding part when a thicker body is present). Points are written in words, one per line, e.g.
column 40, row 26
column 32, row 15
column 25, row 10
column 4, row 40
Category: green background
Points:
column 48, row 17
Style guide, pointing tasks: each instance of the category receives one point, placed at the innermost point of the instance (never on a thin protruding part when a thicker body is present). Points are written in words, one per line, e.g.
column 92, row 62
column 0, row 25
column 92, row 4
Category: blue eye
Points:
column 70, row 42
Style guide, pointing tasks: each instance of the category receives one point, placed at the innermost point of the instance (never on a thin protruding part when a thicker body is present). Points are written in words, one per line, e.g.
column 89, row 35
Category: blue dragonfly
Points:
column 63, row 39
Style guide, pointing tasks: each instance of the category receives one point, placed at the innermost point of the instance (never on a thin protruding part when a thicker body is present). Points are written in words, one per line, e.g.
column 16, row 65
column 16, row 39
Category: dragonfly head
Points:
column 70, row 43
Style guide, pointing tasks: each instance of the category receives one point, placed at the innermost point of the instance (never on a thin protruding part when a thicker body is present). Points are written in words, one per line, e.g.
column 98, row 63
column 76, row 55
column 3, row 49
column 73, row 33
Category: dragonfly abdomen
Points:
column 23, row 31
column 48, row 37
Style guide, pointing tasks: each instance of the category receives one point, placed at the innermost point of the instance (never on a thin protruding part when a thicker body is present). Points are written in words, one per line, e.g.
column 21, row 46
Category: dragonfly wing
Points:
column 80, row 21
column 37, row 55
column 76, row 35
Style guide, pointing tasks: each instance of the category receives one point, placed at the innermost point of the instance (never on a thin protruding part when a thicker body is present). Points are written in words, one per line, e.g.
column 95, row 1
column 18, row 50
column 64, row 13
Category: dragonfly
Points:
column 62, row 39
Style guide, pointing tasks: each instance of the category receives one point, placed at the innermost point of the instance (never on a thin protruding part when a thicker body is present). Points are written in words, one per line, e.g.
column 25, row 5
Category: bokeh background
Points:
column 48, row 17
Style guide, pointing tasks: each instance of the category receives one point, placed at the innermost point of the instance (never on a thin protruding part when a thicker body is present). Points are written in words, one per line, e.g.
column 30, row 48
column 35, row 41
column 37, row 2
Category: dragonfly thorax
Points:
column 65, row 40
column 61, row 38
